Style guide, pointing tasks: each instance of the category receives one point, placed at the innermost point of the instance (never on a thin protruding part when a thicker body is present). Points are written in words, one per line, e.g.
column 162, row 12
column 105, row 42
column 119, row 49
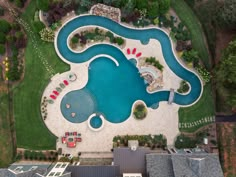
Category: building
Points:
column 130, row 162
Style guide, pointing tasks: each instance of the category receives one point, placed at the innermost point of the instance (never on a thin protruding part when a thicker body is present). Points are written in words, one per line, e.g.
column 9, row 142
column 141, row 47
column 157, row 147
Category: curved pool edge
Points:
column 130, row 27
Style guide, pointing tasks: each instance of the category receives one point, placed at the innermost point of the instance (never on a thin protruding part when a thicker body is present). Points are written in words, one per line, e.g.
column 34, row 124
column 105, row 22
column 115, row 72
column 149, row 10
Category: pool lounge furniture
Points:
column 75, row 133
column 78, row 139
column 134, row 51
column 66, row 82
column 53, row 97
column 55, row 92
column 63, row 140
column 128, row 51
column 139, row 54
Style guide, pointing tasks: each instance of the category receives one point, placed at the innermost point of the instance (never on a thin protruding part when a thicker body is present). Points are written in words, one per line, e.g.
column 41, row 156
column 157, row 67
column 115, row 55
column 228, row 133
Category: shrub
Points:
column 110, row 35
column 184, row 87
column 206, row 76
column 2, row 49
column 140, row 111
column 119, row 40
column 183, row 141
column 47, row 34
column 74, row 40
column 190, row 56
column 154, row 62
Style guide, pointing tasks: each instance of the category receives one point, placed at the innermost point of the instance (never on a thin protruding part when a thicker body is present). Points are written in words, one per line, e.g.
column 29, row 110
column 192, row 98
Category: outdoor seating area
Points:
column 106, row 11
column 71, row 138
column 57, row 91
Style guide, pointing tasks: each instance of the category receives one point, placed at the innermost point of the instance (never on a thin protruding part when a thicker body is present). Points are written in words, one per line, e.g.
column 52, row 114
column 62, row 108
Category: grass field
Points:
column 187, row 16
column 30, row 130
column 6, row 146
column 203, row 108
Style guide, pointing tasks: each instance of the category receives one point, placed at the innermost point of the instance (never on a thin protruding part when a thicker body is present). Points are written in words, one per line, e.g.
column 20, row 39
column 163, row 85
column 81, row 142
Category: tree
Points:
column 2, row 38
column 227, row 14
column 43, row 5
column 164, row 6
column 153, row 10
column 141, row 4
column 5, row 27
column 226, row 73
column 2, row 49
column 19, row 3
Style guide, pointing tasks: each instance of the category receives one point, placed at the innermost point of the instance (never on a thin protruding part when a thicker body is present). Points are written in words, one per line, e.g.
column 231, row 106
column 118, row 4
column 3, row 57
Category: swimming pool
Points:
column 112, row 89
column 96, row 122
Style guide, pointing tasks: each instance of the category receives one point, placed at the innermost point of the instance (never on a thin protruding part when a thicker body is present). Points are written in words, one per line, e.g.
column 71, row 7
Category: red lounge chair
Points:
column 55, row 92
column 66, row 82
column 75, row 133
column 67, row 133
column 53, row 97
column 71, row 144
column 128, row 51
column 63, row 140
column 139, row 54
column 134, row 51
column 78, row 139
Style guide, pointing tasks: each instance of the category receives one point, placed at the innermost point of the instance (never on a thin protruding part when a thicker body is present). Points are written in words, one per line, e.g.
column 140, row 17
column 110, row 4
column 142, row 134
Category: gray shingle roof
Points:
column 131, row 161
column 197, row 165
column 159, row 165
column 93, row 171
column 183, row 165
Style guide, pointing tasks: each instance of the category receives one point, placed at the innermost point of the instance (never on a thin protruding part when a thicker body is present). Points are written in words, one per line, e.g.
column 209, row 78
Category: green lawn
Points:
column 31, row 131
column 203, row 108
column 6, row 146
column 187, row 16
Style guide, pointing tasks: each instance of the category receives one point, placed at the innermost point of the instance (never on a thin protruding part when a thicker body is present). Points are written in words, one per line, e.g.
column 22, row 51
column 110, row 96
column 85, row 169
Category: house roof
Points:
column 33, row 173
column 197, row 165
column 131, row 161
column 159, row 165
column 183, row 165
column 93, row 171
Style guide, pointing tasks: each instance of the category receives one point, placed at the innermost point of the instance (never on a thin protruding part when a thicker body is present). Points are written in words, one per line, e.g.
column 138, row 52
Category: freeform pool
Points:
column 113, row 89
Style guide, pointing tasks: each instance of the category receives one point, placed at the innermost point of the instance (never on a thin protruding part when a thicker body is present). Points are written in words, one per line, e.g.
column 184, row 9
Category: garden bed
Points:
column 82, row 39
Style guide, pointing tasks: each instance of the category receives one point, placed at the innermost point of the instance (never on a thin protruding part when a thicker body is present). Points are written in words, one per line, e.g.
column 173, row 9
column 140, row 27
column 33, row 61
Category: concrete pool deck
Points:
column 162, row 120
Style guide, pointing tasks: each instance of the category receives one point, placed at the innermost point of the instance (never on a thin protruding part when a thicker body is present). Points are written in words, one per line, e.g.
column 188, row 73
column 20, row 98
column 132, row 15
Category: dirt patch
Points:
column 223, row 38
column 227, row 144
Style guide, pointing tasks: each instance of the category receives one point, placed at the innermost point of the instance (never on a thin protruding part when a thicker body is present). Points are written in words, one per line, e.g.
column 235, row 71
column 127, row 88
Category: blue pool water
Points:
column 113, row 89
column 96, row 122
